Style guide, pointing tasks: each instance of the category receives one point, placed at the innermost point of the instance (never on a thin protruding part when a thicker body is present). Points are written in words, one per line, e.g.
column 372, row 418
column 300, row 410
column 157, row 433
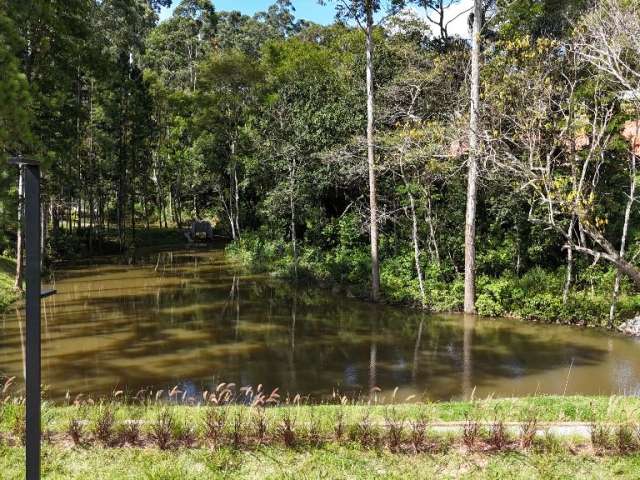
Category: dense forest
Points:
column 380, row 155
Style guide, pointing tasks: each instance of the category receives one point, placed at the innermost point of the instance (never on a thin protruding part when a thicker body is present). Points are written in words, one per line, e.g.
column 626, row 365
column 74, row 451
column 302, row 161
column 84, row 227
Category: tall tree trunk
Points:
column 91, row 174
column 569, row 277
column 44, row 218
column 79, row 225
column 145, row 209
column 292, row 205
column 236, row 198
column 472, row 180
column 91, row 221
column 373, row 204
column 432, row 230
column 55, row 217
column 232, row 217
column 229, row 212
column 171, row 209
column 416, row 250
column 19, row 234
column 132, row 207
column 177, row 203
column 623, row 240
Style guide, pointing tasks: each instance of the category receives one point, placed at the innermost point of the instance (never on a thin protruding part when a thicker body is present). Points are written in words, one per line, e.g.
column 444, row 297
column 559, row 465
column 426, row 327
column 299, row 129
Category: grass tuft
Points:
column 498, row 438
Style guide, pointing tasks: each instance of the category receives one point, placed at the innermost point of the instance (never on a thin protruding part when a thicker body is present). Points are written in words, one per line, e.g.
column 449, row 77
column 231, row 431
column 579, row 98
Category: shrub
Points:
column 214, row 424
column 103, row 427
column 395, row 429
column 528, row 430
column 261, row 425
column 470, row 433
column 625, row 439
column 75, row 431
column 162, row 430
column 487, row 306
column 287, row 429
column 545, row 307
column 418, row 433
column 365, row 432
column 237, row 427
column 601, row 437
column 498, row 437
column 129, row 433
column 184, row 434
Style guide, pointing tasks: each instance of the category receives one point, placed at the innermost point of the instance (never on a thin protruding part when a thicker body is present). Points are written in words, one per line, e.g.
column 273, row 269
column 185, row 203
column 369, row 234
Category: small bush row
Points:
column 222, row 427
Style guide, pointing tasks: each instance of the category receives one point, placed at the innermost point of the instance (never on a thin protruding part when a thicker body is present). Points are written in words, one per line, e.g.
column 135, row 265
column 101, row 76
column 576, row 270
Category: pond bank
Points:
column 534, row 295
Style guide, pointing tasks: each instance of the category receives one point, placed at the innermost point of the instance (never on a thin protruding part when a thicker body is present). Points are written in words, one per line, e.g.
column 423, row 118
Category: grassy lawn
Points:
column 7, row 272
column 445, row 455
column 329, row 462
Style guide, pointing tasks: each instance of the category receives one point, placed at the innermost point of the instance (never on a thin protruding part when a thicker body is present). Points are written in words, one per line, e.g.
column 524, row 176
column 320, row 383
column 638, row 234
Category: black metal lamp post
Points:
column 33, row 295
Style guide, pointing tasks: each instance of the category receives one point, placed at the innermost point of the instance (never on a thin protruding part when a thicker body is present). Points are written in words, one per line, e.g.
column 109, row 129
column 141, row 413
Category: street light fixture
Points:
column 31, row 172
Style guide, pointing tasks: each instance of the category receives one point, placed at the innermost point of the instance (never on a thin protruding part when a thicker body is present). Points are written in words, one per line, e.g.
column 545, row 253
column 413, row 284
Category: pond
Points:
column 193, row 318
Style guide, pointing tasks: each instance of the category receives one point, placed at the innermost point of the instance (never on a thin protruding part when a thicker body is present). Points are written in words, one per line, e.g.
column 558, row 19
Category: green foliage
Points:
column 536, row 295
column 14, row 92
column 257, row 124
column 8, row 295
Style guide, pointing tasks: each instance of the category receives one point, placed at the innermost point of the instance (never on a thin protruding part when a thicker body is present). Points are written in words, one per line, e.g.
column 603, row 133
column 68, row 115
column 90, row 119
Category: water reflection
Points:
column 193, row 319
column 469, row 326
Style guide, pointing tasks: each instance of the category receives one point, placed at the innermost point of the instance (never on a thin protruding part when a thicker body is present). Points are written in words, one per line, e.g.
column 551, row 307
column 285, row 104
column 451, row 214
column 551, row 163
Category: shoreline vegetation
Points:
column 535, row 295
column 164, row 436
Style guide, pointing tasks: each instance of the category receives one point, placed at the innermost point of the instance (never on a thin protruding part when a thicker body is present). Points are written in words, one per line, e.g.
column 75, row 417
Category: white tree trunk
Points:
column 236, row 198
column 472, row 181
column 292, row 205
column 416, row 250
column 373, row 204
column 569, row 278
column 623, row 240
column 432, row 232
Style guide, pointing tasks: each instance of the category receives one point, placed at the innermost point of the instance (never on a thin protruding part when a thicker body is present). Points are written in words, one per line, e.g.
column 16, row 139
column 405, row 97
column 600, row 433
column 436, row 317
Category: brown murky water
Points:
column 192, row 318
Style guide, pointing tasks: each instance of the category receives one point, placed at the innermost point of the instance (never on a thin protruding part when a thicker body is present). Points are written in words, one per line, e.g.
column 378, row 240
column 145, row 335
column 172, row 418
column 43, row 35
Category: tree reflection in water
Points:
column 179, row 318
